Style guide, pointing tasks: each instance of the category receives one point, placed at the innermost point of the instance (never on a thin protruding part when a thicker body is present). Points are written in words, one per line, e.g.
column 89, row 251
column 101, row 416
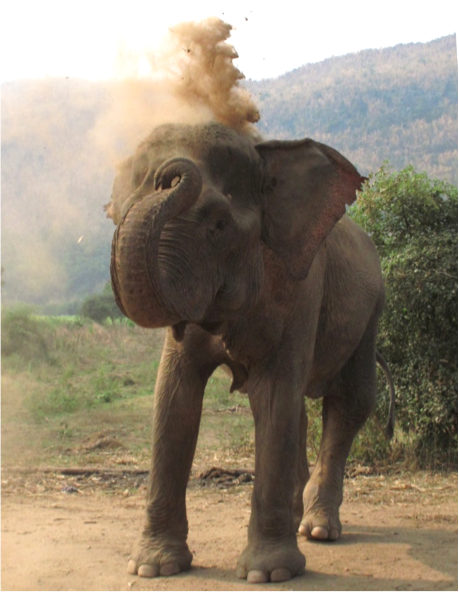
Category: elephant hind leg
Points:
column 348, row 402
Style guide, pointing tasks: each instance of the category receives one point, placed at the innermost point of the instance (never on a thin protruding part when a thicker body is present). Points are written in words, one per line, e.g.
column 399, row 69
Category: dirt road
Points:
column 68, row 533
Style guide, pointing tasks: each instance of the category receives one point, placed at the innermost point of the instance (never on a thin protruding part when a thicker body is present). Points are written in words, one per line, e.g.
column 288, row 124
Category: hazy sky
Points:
column 70, row 38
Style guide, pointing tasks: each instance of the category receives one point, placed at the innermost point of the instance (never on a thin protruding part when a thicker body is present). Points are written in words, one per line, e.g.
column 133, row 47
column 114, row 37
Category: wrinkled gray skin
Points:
column 243, row 249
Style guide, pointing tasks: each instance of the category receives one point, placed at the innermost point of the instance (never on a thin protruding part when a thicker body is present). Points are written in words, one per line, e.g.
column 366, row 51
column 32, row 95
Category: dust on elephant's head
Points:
column 197, row 205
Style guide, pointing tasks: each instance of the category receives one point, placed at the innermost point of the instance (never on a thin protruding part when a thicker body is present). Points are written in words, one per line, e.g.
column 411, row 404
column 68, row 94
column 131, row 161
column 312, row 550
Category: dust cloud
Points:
column 191, row 78
column 63, row 138
column 51, row 180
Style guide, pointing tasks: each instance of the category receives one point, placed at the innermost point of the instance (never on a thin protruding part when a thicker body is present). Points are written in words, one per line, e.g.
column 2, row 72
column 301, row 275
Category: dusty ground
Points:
column 63, row 532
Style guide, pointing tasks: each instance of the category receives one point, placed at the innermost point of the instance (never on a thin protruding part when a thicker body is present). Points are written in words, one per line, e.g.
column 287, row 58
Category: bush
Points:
column 100, row 307
column 23, row 335
column 413, row 222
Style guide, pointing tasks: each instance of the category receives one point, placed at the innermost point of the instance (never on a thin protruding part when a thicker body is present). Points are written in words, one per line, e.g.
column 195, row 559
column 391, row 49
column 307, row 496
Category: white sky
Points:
column 82, row 38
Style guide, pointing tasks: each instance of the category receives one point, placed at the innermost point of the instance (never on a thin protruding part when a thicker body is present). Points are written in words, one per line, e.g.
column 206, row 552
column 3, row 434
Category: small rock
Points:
column 69, row 489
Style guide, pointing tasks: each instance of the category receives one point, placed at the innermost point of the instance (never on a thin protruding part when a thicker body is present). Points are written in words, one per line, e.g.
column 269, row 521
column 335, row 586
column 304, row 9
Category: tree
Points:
column 100, row 307
column 413, row 222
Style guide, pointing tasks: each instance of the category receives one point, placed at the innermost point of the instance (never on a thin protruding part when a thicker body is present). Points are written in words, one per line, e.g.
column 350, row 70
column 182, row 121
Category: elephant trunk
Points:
column 134, row 265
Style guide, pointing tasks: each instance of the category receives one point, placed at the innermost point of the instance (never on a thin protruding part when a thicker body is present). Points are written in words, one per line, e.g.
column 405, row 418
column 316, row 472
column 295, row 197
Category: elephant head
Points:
column 196, row 206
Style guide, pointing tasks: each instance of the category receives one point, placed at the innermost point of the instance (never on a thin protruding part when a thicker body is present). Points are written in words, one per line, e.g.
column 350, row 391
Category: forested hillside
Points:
column 397, row 104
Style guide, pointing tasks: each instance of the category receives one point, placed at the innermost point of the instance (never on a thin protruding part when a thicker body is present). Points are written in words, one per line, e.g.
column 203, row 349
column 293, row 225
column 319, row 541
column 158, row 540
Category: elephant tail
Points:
column 389, row 431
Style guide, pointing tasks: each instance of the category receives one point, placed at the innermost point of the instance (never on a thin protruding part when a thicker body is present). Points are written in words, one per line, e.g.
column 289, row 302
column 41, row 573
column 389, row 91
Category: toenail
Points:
column 303, row 529
column 169, row 569
column 148, row 571
column 319, row 532
column 280, row 575
column 256, row 576
column 334, row 534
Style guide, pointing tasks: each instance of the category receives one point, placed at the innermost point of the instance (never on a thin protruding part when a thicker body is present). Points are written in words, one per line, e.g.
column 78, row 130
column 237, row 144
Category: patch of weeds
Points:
column 24, row 336
column 58, row 401
column 65, row 432
column 217, row 395
column 242, row 436
column 370, row 444
column 68, row 373
column 314, row 413
column 105, row 385
column 106, row 397
column 217, row 391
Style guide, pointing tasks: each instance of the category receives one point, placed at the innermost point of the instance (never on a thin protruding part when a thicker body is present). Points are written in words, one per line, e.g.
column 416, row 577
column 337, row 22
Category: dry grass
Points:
column 95, row 385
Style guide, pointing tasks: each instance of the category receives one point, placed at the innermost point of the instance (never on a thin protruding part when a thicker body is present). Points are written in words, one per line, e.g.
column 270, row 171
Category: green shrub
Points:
column 23, row 335
column 413, row 222
column 100, row 307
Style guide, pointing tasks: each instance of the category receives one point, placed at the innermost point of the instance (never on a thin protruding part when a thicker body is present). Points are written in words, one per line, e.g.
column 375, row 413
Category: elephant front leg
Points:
column 162, row 549
column 272, row 552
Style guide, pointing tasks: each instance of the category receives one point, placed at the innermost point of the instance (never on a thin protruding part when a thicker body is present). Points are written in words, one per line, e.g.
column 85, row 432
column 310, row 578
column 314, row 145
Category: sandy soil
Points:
column 74, row 533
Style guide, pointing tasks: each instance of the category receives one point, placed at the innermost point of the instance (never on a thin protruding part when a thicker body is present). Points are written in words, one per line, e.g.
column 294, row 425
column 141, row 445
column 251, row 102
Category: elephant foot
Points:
column 270, row 562
column 152, row 558
column 320, row 520
column 321, row 523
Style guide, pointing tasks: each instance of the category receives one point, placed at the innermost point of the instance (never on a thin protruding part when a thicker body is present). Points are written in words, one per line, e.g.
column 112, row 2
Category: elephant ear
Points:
column 307, row 186
column 122, row 188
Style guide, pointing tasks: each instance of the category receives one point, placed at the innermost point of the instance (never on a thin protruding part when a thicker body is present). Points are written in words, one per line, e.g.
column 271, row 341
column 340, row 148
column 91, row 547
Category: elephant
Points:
column 242, row 248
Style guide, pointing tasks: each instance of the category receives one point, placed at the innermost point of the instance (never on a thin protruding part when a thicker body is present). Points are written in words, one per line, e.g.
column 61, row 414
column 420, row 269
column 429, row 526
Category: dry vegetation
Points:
column 77, row 393
column 83, row 397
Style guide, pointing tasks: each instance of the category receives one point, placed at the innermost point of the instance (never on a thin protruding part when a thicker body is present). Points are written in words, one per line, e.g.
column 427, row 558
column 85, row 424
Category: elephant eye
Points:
column 221, row 233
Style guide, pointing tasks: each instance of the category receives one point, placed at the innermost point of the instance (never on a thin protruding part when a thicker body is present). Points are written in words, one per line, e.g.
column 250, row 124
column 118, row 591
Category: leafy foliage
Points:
column 413, row 222
column 100, row 307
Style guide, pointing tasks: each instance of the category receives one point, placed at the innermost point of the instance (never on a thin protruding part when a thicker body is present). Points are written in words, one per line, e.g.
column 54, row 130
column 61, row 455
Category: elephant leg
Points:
column 182, row 376
column 349, row 401
column 272, row 552
column 302, row 468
